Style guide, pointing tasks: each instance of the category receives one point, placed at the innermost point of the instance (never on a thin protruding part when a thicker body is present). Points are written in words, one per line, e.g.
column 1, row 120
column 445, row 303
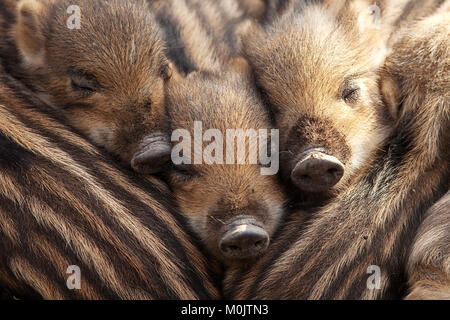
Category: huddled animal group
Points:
column 351, row 96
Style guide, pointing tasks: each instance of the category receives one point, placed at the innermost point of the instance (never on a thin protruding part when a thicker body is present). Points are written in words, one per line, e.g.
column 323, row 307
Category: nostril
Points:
column 332, row 171
column 229, row 247
column 336, row 171
column 260, row 243
column 317, row 171
column 244, row 242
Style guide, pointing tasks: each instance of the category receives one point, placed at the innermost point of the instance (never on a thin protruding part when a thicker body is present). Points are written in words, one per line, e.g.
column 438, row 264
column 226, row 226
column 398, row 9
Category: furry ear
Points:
column 391, row 96
column 28, row 31
column 369, row 24
column 368, row 15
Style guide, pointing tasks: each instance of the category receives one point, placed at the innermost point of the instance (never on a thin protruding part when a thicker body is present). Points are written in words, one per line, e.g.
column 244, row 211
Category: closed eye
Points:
column 350, row 94
column 350, row 90
column 83, row 82
column 83, row 90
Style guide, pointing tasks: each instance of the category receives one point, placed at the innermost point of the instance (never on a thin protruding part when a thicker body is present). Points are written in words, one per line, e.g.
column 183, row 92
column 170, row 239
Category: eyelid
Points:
column 350, row 78
column 350, row 90
column 350, row 94
column 83, row 79
column 349, row 86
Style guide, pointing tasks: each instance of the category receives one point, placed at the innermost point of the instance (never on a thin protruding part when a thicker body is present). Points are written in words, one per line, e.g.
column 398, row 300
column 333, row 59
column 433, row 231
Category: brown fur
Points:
column 201, row 35
column 219, row 92
column 107, row 77
column 211, row 195
column 373, row 222
column 429, row 276
column 266, row 11
column 400, row 14
column 254, row 8
column 306, row 63
column 429, row 261
column 395, row 14
column 275, row 9
column 62, row 202
column 120, row 59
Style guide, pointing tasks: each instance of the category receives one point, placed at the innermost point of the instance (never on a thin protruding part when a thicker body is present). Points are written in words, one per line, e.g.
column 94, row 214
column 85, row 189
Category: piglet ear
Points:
column 153, row 154
column 391, row 95
column 368, row 15
column 28, row 31
column 368, row 20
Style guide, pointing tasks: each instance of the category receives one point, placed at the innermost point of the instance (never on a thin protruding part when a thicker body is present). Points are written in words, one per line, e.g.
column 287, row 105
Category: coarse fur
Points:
column 107, row 76
column 317, row 65
column 211, row 194
column 429, row 260
column 374, row 221
column 217, row 90
column 63, row 203
column 201, row 35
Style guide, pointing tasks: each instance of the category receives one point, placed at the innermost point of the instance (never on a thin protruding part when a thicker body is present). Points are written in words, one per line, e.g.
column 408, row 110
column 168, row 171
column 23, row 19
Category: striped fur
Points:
column 64, row 203
column 218, row 91
column 120, row 55
column 201, row 35
column 429, row 260
column 394, row 13
column 428, row 38
column 254, row 8
column 213, row 195
column 399, row 14
column 107, row 77
column 274, row 9
column 374, row 220
column 317, row 66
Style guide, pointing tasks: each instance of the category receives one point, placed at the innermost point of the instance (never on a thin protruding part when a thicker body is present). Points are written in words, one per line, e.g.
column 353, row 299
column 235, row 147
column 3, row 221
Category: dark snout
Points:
column 244, row 240
column 317, row 171
column 153, row 154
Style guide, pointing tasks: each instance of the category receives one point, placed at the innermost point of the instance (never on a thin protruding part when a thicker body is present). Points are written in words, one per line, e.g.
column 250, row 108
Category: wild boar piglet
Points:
column 103, row 64
column 225, row 163
column 317, row 66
